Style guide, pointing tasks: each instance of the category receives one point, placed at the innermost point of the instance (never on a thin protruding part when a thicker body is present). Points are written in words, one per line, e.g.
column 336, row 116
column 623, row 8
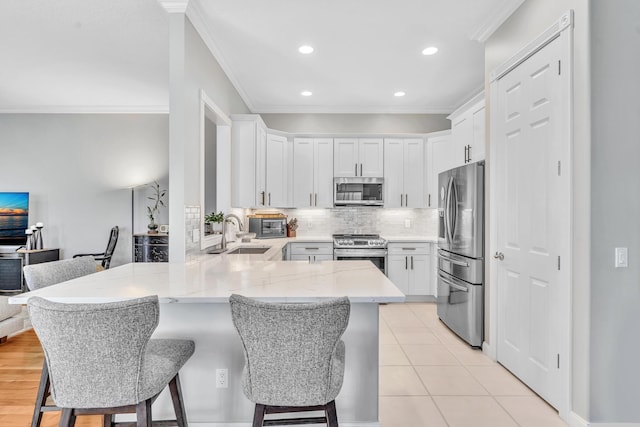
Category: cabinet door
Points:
column 323, row 257
column 439, row 152
column 413, row 171
column 397, row 271
column 461, row 137
column 261, row 167
column 393, row 180
column 303, row 172
column 345, row 157
column 246, row 169
column 276, row 171
column 419, row 279
column 477, row 151
column 371, row 157
column 323, row 173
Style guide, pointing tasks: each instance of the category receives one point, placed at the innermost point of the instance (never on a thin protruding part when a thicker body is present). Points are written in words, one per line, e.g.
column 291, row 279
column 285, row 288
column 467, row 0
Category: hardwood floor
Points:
column 21, row 359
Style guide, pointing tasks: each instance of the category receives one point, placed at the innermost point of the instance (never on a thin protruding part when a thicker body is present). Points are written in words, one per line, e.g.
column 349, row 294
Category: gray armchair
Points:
column 294, row 357
column 101, row 359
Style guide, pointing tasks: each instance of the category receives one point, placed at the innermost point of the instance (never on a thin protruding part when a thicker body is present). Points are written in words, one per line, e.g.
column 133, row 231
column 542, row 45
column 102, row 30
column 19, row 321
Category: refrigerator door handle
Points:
column 453, row 261
column 447, row 212
column 452, row 285
column 454, row 208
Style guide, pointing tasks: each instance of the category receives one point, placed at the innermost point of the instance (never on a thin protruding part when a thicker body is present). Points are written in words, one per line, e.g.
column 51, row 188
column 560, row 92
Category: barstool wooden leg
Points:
column 107, row 420
column 258, row 415
column 41, row 397
column 67, row 419
column 332, row 415
column 143, row 414
column 178, row 403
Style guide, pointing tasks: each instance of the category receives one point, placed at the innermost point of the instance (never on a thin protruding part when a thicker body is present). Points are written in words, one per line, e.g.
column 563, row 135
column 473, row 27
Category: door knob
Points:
column 499, row 255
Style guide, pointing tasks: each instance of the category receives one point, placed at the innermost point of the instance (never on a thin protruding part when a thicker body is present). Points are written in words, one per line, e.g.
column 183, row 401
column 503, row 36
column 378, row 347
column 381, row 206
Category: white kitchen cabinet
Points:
column 439, row 158
column 409, row 267
column 358, row 157
column 404, row 181
column 259, row 164
column 312, row 172
column 468, row 131
column 311, row 251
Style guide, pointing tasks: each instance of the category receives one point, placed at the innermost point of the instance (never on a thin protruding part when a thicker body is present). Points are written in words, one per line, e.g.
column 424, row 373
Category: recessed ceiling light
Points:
column 306, row 93
column 306, row 49
column 430, row 50
column 400, row 93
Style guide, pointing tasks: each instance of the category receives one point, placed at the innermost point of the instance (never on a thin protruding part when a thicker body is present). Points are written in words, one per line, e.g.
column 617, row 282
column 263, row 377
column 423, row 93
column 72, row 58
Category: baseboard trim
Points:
column 576, row 421
column 248, row 424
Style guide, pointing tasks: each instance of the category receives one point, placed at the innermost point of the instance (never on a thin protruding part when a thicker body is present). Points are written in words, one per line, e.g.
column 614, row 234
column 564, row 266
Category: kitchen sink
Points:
column 249, row 250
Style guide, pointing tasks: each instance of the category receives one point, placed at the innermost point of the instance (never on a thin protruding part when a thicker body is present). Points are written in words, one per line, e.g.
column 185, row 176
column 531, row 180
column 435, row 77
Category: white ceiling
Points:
column 112, row 55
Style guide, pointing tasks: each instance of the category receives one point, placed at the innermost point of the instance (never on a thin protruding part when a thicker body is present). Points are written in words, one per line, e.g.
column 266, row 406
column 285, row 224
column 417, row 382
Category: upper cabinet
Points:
column 468, row 132
column 439, row 158
column 358, row 157
column 259, row 164
column 312, row 172
column 404, row 163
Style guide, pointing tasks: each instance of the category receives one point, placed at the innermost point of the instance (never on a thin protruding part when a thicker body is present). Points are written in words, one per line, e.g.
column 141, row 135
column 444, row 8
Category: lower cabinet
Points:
column 310, row 251
column 409, row 267
column 151, row 247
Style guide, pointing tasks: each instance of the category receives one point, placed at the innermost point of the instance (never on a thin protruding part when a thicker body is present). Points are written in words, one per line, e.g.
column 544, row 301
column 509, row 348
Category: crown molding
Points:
column 174, row 6
column 350, row 109
column 196, row 16
column 86, row 109
column 496, row 19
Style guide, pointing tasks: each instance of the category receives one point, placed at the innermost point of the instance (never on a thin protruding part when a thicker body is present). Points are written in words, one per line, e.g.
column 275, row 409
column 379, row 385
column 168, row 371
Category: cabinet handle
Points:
column 356, row 169
column 401, row 200
column 316, row 199
column 412, row 262
column 269, row 199
column 312, row 249
column 429, row 202
column 310, row 201
column 406, row 260
column 406, row 200
column 465, row 153
column 262, row 198
column 360, row 169
column 469, row 152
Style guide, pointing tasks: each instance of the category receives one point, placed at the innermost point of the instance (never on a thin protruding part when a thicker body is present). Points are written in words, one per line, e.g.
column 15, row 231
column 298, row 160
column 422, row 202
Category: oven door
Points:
column 377, row 256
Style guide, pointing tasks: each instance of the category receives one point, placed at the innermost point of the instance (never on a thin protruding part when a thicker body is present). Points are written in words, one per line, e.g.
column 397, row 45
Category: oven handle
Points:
column 452, row 285
column 346, row 253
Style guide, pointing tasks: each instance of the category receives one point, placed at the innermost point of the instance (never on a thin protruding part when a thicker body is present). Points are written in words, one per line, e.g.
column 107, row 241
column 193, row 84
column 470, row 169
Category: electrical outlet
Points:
column 407, row 223
column 622, row 258
column 222, row 378
column 196, row 235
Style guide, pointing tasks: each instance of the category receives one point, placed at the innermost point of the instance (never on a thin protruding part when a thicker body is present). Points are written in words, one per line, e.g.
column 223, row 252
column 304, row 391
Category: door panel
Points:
column 530, row 205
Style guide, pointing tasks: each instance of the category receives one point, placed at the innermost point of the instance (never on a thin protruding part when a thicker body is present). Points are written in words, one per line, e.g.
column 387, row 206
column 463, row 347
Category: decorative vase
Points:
column 153, row 228
column 216, row 227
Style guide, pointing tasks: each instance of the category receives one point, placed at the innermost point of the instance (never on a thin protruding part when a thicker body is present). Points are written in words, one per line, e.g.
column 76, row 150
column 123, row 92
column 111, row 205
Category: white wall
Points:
column 78, row 169
column 615, row 210
column 357, row 123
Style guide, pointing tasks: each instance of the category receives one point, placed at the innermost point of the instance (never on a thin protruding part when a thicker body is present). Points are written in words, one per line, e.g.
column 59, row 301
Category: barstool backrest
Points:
column 49, row 273
column 290, row 349
column 94, row 351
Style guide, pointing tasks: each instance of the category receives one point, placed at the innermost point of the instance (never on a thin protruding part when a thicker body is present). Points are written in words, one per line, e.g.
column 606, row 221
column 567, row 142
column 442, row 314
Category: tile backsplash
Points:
column 192, row 223
column 361, row 219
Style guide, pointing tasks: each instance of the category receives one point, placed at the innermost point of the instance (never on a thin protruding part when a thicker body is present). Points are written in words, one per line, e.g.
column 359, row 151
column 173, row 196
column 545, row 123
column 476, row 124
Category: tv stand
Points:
column 11, row 263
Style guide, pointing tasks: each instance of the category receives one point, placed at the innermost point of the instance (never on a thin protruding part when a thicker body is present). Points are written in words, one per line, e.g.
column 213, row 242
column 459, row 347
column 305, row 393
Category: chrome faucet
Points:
column 223, row 243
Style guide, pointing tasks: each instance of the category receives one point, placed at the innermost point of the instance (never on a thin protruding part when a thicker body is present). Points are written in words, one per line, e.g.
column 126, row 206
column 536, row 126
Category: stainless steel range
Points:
column 368, row 247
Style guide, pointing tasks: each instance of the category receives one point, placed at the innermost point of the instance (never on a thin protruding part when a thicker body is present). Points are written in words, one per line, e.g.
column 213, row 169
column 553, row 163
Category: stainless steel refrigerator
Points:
column 461, row 251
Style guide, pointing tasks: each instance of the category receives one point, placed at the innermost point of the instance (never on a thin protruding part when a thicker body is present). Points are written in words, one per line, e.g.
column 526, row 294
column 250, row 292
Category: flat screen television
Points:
column 14, row 218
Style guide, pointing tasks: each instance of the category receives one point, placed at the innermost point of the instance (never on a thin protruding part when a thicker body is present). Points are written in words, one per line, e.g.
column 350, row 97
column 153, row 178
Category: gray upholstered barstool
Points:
column 101, row 359
column 294, row 357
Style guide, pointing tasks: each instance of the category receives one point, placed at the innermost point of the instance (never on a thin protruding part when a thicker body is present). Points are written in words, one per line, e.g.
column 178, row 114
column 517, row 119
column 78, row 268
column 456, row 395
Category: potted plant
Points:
column 215, row 221
column 158, row 200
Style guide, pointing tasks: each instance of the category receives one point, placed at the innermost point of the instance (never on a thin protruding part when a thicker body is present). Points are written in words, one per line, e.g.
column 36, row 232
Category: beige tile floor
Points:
column 431, row 378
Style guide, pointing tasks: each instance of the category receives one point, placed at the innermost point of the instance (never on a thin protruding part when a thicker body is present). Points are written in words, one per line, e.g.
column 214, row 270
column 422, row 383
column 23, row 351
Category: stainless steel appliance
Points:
column 268, row 228
column 358, row 191
column 368, row 247
column 461, row 251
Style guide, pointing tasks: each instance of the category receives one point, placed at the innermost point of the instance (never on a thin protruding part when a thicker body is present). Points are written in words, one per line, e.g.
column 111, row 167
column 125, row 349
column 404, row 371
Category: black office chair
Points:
column 105, row 256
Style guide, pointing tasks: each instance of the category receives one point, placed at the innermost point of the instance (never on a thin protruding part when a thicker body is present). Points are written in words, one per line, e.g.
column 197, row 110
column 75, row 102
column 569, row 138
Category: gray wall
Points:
column 357, row 123
column 78, row 169
column 615, row 209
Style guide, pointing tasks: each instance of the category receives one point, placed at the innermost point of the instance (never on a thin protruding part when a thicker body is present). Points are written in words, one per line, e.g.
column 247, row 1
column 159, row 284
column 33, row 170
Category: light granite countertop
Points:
column 213, row 278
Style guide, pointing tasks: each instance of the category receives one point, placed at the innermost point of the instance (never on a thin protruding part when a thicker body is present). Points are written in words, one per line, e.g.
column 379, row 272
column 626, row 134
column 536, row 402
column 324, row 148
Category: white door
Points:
column 303, row 172
column 413, row 173
column 323, row 173
column 276, row 175
column 371, row 157
column 393, row 180
column 532, row 201
column 345, row 157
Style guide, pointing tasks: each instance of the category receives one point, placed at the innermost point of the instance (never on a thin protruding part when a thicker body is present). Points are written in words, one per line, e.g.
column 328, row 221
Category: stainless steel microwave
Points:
column 268, row 228
column 358, row 191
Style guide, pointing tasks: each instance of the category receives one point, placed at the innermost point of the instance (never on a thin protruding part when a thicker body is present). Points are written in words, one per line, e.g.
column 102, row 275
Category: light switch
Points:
column 407, row 223
column 622, row 257
column 196, row 235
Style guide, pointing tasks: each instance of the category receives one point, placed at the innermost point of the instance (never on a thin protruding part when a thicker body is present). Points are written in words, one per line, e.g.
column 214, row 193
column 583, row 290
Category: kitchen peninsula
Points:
column 194, row 304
